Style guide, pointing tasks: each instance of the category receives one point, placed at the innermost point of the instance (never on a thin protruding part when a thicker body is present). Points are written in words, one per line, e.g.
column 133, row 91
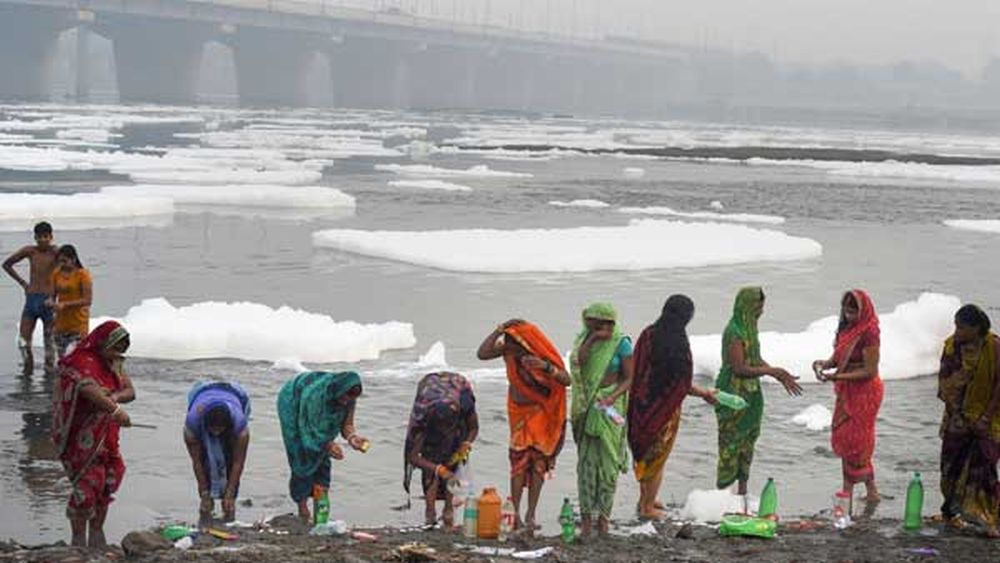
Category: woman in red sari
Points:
column 854, row 370
column 87, row 415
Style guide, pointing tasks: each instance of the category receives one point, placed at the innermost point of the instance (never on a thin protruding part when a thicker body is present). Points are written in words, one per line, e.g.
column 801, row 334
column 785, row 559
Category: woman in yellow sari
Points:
column 969, row 386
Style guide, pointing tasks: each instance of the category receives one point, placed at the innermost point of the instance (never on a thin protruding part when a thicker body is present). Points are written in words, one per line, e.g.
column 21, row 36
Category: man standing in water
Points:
column 41, row 258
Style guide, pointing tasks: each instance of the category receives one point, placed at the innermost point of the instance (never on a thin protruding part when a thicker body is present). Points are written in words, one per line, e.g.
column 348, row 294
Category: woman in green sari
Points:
column 742, row 368
column 602, row 368
column 314, row 408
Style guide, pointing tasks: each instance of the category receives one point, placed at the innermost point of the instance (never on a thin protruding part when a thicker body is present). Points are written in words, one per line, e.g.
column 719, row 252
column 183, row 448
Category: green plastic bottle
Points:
column 731, row 401
column 768, row 499
column 321, row 505
column 739, row 525
column 912, row 518
column 568, row 521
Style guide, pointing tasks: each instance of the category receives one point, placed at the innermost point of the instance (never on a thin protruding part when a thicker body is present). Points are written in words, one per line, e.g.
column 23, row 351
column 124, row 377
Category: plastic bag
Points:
column 462, row 484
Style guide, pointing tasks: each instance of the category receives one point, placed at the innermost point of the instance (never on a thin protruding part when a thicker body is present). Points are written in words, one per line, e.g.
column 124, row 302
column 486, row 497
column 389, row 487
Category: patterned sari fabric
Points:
column 663, row 377
column 311, row 417
column 852, row 436
column 536, row 402
column 85, row 437
column 966, row 383
column 739, row 429
column 441, row 412
column 600, row 443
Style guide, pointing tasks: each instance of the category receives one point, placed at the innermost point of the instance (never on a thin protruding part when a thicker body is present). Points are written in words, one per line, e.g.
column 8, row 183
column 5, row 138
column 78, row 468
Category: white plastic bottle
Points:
column 507, row 516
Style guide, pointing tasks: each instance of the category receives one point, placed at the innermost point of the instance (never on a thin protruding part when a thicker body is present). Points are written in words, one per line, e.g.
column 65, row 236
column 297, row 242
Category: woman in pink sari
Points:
column 87, row 415
column 854, row 370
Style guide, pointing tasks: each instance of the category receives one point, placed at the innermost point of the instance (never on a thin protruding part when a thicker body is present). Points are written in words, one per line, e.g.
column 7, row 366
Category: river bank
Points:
column 284, row 538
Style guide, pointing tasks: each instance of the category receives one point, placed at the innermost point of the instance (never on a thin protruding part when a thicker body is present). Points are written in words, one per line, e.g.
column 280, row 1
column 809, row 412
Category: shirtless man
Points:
column 42, row 262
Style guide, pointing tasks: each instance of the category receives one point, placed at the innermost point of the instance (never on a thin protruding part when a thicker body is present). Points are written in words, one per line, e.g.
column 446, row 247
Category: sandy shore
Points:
column 285, row 539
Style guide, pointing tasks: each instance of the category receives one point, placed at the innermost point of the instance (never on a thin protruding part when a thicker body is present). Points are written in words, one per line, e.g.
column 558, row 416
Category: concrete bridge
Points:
column 377, row 59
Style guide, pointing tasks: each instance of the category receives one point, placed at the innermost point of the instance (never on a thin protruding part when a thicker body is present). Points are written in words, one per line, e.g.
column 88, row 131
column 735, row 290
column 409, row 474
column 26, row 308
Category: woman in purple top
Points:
column 217, row 437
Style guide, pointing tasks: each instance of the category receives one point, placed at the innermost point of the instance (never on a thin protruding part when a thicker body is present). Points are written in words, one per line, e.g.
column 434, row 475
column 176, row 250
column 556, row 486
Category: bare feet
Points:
column 97, row 540
column 654, row 514
column 603, row 526
column 659, row 505
column 79, row 540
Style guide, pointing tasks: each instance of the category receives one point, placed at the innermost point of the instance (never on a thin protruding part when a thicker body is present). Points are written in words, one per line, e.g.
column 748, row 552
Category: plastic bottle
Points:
column 731, row 401
column 470, row 517
column 507, row 517
column 912, row 518
column 567, row 520
column 739, row 525
column 612, row 413
column 321, row 505
column 841, row 510
column 489, row 514
column 768, row 500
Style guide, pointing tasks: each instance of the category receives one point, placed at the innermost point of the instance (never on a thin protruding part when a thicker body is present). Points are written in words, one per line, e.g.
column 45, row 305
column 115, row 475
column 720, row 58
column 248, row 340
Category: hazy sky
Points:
column 960, row 33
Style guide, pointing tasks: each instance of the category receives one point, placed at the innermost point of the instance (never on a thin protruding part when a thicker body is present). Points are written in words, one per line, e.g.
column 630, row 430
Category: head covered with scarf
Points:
column 440, row 414
column 865, row 326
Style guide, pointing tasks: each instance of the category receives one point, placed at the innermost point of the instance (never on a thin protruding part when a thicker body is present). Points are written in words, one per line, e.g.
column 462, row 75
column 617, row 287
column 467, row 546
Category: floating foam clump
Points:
column 250, row 331
column 707, row 215
column 895, row 171
column 637, row 246
column 240, row 195
column 633, row 173
column 289, row 364
column 591, row 203
column 228, row 176
column 814, row 417
column 912, row 337
column 428, row 171
column 430, row 185
column 982, row 226
column 18, row 210
column 710, row 506
column 435, row 356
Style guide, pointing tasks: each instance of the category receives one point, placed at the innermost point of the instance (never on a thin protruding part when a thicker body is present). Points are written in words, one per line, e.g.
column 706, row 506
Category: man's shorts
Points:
column 35, row 308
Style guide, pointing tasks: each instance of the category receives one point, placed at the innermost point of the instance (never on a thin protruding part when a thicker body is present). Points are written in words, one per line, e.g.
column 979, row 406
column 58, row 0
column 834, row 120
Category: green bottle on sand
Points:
column 768, row 499
column 321, row 505
column 568, row 522
column 730, row 400
column 912, row 519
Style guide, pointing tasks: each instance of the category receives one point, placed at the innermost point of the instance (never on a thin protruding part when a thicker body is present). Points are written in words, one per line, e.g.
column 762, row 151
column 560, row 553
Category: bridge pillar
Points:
column 156, row 61
column 272, row 66
column 370, row 73
column 28, row 40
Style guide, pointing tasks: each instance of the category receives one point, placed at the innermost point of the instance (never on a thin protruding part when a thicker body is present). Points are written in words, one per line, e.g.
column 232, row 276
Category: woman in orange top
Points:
column 72, row 291
column 536, row 407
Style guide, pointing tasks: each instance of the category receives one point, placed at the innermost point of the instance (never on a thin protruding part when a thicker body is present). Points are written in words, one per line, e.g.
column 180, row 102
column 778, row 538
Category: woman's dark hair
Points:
column 218, row 417
column 971, row 315
column 69, row 251
column 671, row 350
column 847, row 298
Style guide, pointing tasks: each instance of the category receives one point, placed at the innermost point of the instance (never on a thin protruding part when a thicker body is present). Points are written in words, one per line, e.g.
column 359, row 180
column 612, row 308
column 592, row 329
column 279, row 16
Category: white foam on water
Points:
column 890, row 170
column 230, row 176
column 428, row 171
column 240, row 195
column 814, row 417
column 912, row 337
column 705, row 215
column 978, row 225
column 435, row 356
column 251, row 331
column 95, row 135
column 430, row 185
column 293, row 365
column 633, row 173
column 17, row 209
column 716, row 204
column 711, row 505
column 591, row 203
column 637, row 246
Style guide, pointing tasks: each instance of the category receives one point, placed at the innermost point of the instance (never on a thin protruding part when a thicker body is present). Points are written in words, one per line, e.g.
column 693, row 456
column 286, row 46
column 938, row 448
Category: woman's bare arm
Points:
column 868, row 369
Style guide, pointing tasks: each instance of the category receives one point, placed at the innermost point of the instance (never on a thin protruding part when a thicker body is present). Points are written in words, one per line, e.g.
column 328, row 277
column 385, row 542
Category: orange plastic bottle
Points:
column 489, row 514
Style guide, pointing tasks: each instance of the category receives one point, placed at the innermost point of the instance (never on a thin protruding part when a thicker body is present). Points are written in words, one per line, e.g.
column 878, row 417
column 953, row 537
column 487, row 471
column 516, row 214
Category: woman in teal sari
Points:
column 742, row 368
column 602, row 369
column 314, row 408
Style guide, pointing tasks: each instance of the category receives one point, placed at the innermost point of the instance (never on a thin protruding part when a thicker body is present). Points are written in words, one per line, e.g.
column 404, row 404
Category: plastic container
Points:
column 731, row 401
column 365, row 446
column 768, row 499
column 176, row 532
column 321, row 505
column 841, row 510
column 611, row 412
column 912, row 516
column 488, row 526
column 740, row 525
column 567, row 522
column 507, row 518
column 470, row 517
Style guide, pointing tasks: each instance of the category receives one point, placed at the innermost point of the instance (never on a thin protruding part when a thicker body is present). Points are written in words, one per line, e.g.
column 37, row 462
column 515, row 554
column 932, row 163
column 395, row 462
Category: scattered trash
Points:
column 414, row 552
column 227, row 536
column 505, row 551
column 646, row 529
column 238, row 524
column 176, row 532
column 740, row 525
column 334, row 528
column 184, row 543
column 804, row 525
column 928, row 551
column 364, row 536
column 536, row 554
